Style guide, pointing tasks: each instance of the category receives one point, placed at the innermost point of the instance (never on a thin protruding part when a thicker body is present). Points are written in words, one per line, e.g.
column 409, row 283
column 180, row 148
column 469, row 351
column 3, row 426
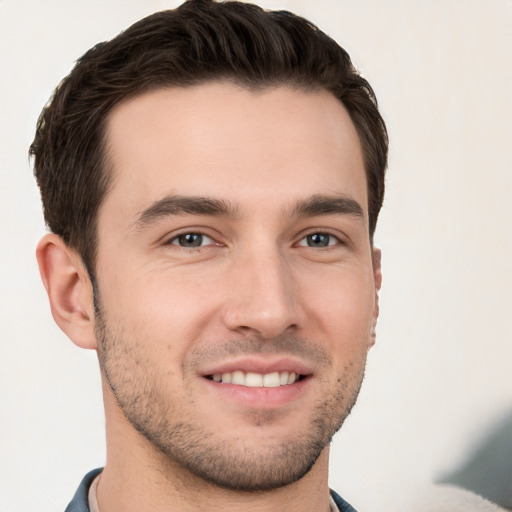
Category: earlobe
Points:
column 377, row 278
column 377, row 268
column 69, row 290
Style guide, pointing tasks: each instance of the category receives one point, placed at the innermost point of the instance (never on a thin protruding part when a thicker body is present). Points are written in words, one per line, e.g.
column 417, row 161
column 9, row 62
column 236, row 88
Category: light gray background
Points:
column 437, row 400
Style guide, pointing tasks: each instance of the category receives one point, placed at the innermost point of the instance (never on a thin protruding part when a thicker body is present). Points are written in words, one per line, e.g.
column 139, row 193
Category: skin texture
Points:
column 280, row 275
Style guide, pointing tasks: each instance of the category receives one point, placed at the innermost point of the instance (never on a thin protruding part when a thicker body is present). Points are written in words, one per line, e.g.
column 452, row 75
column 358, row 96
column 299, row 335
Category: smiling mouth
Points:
column 257, row 380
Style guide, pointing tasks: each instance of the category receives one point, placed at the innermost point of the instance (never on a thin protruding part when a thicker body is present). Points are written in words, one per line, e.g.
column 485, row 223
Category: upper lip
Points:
column 259, row 365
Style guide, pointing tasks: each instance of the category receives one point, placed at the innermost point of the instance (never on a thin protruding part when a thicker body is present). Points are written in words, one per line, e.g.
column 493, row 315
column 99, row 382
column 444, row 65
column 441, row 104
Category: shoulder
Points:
column 342, row 505
column 80, row 501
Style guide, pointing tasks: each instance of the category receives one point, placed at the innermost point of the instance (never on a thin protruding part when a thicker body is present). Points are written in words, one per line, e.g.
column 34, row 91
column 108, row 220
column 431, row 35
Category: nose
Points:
column 263, row 297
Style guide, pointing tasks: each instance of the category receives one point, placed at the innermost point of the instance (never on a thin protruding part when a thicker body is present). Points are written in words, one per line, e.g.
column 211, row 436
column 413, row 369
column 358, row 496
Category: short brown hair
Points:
column 200, row 41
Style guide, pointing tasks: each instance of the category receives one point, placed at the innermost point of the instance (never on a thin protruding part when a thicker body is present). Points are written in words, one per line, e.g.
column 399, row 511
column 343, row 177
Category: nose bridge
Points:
column 263, row 295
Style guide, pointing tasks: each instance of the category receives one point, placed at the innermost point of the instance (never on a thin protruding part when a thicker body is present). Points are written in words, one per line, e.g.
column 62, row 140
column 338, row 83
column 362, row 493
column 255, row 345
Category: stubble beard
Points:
column 234, row 464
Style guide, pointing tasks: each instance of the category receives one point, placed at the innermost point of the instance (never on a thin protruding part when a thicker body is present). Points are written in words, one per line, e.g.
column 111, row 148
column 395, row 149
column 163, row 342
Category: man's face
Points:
column 236, row 288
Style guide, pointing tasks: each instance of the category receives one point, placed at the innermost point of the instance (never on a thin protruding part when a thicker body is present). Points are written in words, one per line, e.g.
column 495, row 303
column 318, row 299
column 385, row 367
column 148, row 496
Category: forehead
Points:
column 220, row 140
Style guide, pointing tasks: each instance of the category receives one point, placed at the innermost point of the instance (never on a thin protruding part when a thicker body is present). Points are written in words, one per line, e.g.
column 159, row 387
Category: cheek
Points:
column 159, row 307
column 343, row 307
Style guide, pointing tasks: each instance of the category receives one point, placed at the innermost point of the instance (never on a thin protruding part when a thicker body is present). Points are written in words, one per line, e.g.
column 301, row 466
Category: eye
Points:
column 191, row 240
column 319, row 240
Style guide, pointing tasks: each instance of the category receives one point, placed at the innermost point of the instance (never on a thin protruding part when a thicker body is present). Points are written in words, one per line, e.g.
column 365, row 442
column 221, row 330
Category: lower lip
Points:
column 260, row 398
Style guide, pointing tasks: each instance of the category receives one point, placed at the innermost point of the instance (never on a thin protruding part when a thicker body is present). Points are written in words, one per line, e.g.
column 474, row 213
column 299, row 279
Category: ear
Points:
column 69, row 290
column 377, row 278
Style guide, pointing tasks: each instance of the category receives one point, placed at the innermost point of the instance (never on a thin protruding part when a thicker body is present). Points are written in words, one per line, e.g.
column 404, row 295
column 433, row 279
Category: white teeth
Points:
column 256, row 380
column 238, row 378
column 271, row 380
column 253, row 380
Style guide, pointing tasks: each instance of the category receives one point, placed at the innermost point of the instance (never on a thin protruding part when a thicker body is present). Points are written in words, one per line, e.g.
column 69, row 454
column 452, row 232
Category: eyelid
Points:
column 205, row 238
column 337, row 236
column 171, row 238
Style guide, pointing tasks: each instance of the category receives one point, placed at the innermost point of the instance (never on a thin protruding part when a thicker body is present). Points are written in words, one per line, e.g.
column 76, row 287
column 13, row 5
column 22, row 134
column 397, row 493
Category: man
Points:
column 211, row 179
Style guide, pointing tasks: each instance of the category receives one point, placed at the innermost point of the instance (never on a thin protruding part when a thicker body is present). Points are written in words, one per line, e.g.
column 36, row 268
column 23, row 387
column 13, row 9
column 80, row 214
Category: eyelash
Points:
column 181, row 236
column 330, row 236
column 201, row 236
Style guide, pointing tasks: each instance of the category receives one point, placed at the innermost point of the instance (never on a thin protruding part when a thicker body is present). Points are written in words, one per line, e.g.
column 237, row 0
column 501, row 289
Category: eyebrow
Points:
column 328, row 205
column 199, row 205
column 182, row 205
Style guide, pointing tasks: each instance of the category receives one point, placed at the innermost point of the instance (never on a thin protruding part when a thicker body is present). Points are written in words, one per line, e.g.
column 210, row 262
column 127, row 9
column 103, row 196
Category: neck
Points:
column 139, row 477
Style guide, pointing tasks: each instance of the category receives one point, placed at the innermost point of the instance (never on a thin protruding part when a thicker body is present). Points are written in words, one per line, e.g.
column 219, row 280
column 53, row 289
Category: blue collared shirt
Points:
column 80, row 502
